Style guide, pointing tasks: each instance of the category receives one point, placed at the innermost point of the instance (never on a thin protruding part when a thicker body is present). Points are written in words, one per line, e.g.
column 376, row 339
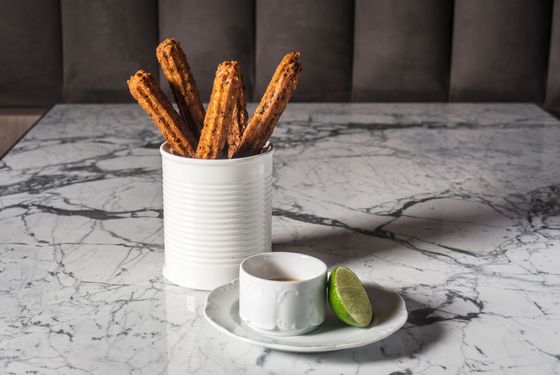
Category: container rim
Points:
column 278, row 256
column 267, row 149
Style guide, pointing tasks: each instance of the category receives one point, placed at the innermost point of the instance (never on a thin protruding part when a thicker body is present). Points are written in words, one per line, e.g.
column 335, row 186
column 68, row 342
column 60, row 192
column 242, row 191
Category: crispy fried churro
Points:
column 151, row 98
column 178, row 73
column 225, row 92
column 273, row 103
column 239, row 120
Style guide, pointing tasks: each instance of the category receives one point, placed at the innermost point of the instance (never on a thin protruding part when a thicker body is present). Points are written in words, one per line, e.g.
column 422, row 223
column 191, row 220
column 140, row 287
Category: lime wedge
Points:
column 348, row 298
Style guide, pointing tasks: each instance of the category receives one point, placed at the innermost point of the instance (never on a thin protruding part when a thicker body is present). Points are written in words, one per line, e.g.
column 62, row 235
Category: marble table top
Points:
column 455, row 206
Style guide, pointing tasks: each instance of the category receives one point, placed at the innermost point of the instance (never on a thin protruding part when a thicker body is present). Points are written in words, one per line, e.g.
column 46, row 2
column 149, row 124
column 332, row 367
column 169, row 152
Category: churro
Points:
column 225, row 93
column 151, row 98
column 239, row 120
column 178, row 73
column 271, row 106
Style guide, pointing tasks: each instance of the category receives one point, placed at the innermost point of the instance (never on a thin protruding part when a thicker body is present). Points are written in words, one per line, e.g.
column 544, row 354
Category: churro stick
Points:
column 239, row 120
column 272, row 104
column 178, row 73
column 219, row 115
column 151, row 98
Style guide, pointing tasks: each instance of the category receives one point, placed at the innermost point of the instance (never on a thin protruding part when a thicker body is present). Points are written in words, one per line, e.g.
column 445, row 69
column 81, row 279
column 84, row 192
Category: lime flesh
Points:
column 348, row 298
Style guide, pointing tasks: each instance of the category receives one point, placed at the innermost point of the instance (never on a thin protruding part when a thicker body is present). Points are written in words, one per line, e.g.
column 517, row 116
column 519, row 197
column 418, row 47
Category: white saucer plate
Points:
column 389, row 310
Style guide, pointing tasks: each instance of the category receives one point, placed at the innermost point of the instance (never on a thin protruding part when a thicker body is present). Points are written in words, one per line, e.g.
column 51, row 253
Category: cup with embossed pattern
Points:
column 282, row 293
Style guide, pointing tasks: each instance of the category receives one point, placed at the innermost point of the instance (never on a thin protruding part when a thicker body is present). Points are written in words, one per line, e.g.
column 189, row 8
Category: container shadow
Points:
column 472, row 229
column 408, row 341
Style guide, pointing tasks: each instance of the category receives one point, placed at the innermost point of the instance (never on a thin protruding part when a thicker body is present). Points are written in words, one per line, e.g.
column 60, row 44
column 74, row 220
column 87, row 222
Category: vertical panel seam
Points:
column 545, row 82
column 62, row 91
column 158, row 36
column 451, row 48
column 352, row 88
column 254, row 97
column 254, row 53
column 349, row 97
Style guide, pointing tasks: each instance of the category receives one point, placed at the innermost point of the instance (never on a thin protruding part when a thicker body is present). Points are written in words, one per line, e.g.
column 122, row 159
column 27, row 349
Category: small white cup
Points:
column 283, row 308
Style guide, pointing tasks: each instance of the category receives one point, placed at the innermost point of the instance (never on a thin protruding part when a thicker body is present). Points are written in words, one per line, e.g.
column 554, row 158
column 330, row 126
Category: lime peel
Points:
column 348, row 298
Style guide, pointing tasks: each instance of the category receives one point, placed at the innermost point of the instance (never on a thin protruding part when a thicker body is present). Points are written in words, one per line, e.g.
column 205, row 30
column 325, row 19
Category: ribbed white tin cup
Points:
column 215, row 214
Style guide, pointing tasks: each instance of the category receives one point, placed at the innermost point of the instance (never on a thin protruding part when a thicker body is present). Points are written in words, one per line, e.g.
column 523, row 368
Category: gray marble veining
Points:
column 455, row 206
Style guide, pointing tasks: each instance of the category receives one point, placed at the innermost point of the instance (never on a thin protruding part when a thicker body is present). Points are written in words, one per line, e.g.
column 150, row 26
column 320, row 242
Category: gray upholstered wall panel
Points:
column 401, row 50
column 553, row 82
column 210, row 32
column 322, row 30
column 500, row 50
column 30, row 54
column 104, row 42
column 370, row 50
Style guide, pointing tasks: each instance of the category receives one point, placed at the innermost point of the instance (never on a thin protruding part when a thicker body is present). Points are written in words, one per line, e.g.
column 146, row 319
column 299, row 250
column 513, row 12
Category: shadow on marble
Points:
column 406, row 342
column 452, row 226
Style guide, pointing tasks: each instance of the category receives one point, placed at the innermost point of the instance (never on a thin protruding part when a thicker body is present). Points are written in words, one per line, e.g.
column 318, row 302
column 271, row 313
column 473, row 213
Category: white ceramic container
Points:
column 215, row 214
column 282, row 308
